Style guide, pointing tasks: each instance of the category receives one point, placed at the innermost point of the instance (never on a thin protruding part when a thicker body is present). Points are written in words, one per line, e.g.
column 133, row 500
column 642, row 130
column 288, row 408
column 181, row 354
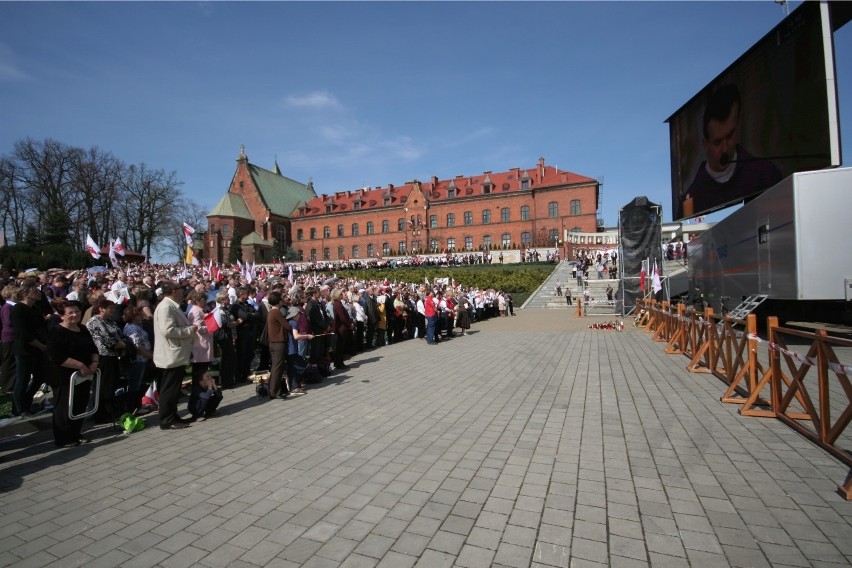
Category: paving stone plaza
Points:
column 533, row 441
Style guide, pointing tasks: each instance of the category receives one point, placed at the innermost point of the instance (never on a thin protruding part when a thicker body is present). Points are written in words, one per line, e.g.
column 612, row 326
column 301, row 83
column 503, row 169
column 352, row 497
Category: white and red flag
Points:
column 213, row 320
column 118, row 247
column 188, row 231
column 642, row 275
column 92, row 247
column 655, row 279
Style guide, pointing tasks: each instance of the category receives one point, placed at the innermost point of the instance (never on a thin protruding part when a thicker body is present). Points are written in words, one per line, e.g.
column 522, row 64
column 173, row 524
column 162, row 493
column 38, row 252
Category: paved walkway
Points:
column 532, row 441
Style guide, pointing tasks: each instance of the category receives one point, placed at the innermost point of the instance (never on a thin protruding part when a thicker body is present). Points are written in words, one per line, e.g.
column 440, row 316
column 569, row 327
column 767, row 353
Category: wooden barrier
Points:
column 728, row 349
column 814, row 396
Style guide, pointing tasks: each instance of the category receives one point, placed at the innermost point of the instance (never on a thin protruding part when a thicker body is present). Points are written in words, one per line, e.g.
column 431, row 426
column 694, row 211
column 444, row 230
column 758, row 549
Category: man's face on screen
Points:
column 721, row 141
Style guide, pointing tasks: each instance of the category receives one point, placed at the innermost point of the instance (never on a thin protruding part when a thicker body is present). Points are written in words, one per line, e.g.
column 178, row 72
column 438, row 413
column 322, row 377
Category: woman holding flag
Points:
column 202, row 349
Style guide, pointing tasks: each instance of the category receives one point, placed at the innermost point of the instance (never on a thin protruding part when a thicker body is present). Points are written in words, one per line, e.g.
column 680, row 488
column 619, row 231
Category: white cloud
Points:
column 9, row 70
column 315, row 100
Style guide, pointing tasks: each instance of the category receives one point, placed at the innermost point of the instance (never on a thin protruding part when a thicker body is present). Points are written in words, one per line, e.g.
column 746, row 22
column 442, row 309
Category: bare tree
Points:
column 149, row 198
column 43, row 176
column 97, row 178
column 189, row 212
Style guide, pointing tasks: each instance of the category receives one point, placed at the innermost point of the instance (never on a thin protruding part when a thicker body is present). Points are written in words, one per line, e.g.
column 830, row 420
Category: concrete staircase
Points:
column 545, row 297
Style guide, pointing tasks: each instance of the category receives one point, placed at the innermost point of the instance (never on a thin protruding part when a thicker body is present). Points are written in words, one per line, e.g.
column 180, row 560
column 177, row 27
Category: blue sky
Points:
column 370, row 93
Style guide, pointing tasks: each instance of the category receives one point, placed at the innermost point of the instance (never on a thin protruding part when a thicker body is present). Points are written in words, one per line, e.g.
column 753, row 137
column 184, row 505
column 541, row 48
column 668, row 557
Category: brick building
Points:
column 258, row 204
column 518, row 208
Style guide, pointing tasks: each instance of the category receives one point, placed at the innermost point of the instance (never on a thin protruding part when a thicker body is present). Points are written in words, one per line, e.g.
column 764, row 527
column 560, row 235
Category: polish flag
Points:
column 92, row 247
column 655, row 279
column 152, row 396
column 213, row 320
column 642, row 275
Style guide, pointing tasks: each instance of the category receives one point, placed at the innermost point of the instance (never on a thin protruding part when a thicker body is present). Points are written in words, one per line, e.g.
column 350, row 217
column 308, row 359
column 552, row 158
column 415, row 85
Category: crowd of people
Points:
column 143, row 325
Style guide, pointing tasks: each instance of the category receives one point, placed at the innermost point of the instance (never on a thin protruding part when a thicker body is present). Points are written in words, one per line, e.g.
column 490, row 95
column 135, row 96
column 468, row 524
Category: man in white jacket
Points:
column 173, row 340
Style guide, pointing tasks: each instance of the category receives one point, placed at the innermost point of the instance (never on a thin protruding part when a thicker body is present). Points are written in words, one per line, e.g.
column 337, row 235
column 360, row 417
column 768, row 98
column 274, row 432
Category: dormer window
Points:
column 387, row 200
column 357, row 206
column 525, row 184
column 487, row 186
column 328, row 208
column 451, row 193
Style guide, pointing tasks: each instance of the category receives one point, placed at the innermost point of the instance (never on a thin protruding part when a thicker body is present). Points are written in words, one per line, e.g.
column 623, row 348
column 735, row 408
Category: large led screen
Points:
column 773, row 112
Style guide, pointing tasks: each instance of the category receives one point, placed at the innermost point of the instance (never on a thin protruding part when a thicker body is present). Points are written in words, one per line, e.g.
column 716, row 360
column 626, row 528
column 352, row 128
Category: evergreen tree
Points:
column 57, row 227
column 235, row 251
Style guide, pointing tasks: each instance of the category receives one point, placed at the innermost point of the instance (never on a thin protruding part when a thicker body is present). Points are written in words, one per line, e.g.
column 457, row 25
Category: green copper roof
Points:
column 280, row 193
column 231, row 205
column 255, row 239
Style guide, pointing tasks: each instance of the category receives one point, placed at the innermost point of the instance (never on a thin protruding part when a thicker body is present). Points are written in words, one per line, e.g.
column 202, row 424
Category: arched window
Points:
column 356, row 251
column 504, row 215
column 468, row 218
column 386, row 226
column 370, row 227
column 486, row 216
column 354, row 229
column 226, row 231
column 506, row 240
column 525, row 212
column 340, row 230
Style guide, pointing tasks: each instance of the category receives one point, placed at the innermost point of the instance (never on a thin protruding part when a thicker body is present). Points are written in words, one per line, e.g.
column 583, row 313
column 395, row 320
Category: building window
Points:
column 433, row 245
column 357, row 206
column 553, row 209
column 525, row 239
column 451, row 244
column 328, row 208
column 433, row 221
column 487, row 187
column 486, row 216
column 553, row 237
column 301, row 254
column 281, row 235
column 451, row 219
column 356, row 252
column 340, row 253
column 313, row 233
column 370, row 227
column 486, row 241
column 525, row 184
column 506, row 240
column 387, row 201
column 468, row 243
column 451, row 193
column 354, row 229
column 385, row 249
column 326, row 253
column 226, row 231
column 504, row 215
column 370, row 250
column 386, row 226
column 400, row 224
column 525, row 212
column 575, row 207
column 340, row 230
column 300, row 234
column 468, row 218
column 313, row 254
column 326, row 232
column 401, row 247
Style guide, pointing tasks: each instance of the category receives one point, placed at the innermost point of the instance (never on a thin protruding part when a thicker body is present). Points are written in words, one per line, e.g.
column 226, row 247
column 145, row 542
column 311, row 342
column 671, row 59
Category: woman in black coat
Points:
column 71, row 349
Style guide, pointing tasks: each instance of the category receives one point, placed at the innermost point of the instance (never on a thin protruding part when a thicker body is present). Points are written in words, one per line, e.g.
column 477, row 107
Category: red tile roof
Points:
column 540, row 176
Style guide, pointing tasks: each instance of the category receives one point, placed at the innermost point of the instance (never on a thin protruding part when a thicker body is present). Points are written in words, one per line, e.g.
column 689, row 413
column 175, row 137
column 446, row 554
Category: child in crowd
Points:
column 209, row 397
